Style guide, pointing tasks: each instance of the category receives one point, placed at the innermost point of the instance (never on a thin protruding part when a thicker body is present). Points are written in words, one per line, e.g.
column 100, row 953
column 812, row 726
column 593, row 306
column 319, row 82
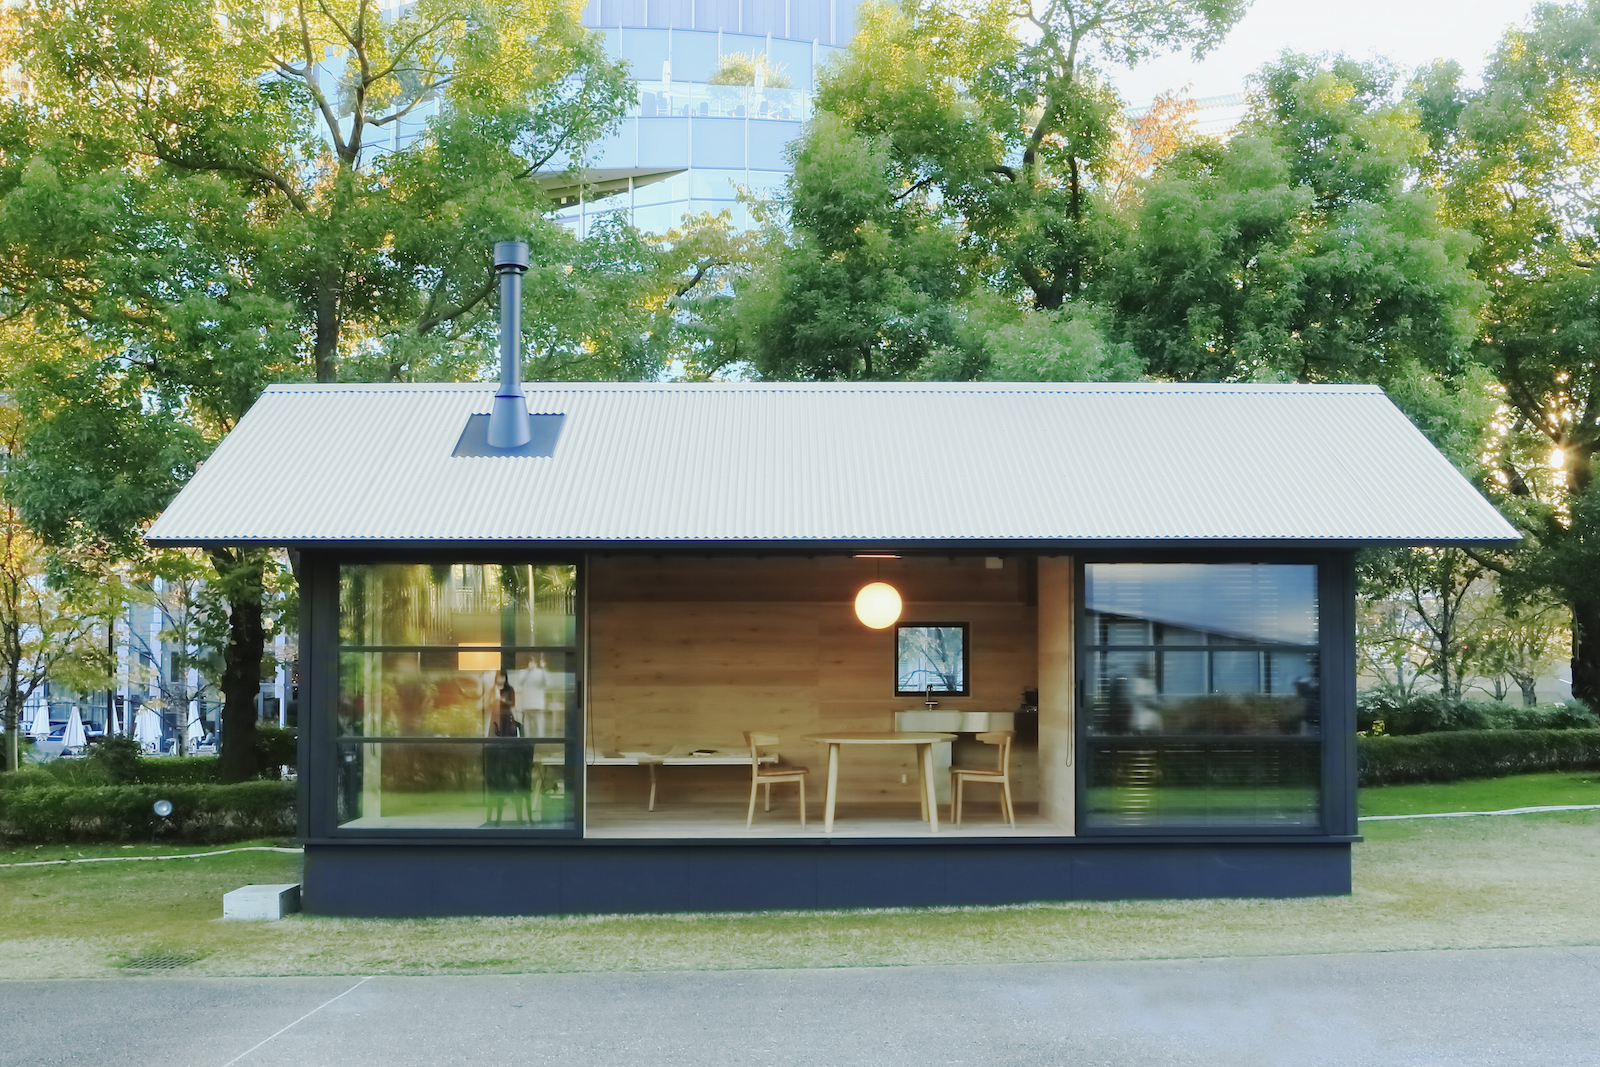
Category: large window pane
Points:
column 457, row 705
column 451, row 605
column 1255, row 602
column 1183, row 784
column 1204, row 696
column 428, row 694
column 479, row 785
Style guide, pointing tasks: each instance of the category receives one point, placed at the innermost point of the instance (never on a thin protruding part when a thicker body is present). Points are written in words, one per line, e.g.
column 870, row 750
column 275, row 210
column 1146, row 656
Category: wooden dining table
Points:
column 924, row 742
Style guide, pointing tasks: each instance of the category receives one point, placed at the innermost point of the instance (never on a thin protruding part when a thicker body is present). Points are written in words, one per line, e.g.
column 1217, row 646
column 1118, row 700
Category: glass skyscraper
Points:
column 724, row 86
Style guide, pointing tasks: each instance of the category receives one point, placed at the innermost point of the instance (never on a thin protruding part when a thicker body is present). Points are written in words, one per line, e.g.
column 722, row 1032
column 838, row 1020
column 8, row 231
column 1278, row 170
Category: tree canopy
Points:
column 198, row 198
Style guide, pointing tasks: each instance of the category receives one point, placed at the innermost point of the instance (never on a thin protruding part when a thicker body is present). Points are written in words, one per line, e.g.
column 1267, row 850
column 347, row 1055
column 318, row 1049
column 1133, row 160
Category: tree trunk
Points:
column 13, row 745
column 241, row 574
column 1586, row 652
column 1530, row 695
column 325, row 352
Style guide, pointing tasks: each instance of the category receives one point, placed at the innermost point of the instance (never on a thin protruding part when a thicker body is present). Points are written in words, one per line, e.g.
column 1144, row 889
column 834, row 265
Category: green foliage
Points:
column 1516, row 163
column 1301, row 249
column 1070, row 344
column 863, row 292
column 179, row 770
column 200, row 813
column 114, row 770
column 1448, row 757
column 1436, row 589
column 275, row 747
column 115, row 759
column 955, row 150
column 1435, row 713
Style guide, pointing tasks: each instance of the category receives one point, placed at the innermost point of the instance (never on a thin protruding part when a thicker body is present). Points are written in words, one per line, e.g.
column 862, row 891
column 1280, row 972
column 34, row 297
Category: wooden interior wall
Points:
column 689, row 651
column 1057, row 685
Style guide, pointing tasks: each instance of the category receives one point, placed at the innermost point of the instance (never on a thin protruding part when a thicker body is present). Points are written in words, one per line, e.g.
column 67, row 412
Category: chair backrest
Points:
column 757, row 743
column 1001, row 738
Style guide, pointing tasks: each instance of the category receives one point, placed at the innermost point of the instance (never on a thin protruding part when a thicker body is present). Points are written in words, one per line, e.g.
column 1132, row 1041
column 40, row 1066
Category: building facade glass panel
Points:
column 675, row 49
column 457, row 699
column 1203, row 696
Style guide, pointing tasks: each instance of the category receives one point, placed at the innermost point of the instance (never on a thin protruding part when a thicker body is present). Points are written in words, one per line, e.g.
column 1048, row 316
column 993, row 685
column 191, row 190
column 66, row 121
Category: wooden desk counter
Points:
column 924, row 742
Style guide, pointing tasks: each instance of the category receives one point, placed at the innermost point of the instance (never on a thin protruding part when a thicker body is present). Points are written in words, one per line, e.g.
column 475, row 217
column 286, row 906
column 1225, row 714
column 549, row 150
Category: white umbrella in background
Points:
column 147, row 730
column 196, row 730
column 75, row 737
column 39, row 725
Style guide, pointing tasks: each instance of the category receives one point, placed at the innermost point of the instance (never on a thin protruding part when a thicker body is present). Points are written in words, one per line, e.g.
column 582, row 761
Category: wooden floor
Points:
column 708, row 820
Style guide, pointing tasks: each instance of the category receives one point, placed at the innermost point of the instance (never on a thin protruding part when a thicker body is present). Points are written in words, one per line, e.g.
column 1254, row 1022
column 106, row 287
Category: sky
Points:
column 1410, row 32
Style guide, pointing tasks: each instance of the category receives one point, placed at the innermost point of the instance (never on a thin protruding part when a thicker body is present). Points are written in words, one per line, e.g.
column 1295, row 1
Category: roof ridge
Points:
column 913, row 388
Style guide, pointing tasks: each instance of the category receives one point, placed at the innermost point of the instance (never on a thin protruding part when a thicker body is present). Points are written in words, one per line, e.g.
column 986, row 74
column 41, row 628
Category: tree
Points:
column 202, row 197
column 1387, row 646
column 999, row 109
column 862, row 289
column 1436, row 586
column 1517, row 162
column 333, row 195
column 959, row 150
column 1519, row 644
column 46, row 631
column 1301, row 249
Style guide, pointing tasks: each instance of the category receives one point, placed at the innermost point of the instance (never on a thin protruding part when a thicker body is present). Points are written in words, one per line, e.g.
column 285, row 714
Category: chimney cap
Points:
column 511, row 254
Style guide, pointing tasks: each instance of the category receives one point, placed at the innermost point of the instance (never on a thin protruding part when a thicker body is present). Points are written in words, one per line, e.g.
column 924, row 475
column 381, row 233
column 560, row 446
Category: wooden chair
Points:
column 769, row 773
column 1000, row 776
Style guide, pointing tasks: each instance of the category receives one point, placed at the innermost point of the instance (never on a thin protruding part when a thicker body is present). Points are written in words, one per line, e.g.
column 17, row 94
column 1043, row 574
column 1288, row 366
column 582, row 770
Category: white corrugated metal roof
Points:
column 823, row 463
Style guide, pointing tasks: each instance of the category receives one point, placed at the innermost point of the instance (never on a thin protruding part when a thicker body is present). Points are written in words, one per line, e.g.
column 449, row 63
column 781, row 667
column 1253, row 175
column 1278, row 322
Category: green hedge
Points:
column 1446, row 757
column 201, row 813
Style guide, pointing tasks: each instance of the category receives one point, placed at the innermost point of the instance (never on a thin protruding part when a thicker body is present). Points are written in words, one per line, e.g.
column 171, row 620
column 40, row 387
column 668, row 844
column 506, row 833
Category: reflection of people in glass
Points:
column 1135, row 704
column 507, row 768
column 1309, row 693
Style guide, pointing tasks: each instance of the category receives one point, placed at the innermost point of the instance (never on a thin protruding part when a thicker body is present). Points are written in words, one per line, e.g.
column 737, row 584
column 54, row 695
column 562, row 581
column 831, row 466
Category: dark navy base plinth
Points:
column 421, row 879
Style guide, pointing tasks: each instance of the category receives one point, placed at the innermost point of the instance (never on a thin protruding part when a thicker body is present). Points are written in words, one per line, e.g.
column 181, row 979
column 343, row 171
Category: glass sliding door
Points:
column 458, row 697
column 1203, row 696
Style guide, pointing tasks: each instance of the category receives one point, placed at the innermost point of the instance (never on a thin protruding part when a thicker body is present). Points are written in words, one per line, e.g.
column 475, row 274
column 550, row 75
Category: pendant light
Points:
column 878, row 603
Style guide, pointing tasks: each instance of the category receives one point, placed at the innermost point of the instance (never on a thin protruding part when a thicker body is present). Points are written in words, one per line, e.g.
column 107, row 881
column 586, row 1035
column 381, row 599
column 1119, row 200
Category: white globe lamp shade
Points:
column 878, row 605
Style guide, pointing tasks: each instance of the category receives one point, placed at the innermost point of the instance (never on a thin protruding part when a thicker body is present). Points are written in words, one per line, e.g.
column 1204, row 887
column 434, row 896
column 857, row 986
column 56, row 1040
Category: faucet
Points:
column 930, row 703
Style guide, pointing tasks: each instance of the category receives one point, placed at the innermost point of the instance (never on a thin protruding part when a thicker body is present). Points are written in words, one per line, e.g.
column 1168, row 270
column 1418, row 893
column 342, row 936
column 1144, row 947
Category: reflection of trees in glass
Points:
column 446, row 605
column 931, row 656
column 750, row 68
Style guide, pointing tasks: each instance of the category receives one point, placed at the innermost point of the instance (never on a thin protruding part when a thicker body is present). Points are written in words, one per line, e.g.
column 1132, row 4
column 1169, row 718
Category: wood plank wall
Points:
column 690, row 651
column 1057, row 696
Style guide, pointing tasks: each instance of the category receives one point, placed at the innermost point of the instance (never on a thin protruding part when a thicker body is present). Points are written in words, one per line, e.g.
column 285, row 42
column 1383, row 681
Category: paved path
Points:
column 1500, row 1007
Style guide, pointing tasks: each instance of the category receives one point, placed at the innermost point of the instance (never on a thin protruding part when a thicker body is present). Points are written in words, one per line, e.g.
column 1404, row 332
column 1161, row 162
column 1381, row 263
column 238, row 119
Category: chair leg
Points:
column 802, row 785
column 1005, row 797
column 750, row 816
column 960, row 787
column 769, row 798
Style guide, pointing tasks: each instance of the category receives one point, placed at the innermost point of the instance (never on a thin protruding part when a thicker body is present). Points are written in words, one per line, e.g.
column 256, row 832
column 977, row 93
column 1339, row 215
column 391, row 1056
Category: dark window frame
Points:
column 1335, row 585
column 321, row 743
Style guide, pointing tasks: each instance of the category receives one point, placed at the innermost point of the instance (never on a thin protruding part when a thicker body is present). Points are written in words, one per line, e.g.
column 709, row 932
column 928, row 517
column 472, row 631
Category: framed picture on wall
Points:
column 931, row 656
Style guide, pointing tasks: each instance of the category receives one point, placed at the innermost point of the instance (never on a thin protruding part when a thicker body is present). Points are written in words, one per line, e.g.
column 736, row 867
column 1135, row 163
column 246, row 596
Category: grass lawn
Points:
column 1436, row 883
column 1484, row 794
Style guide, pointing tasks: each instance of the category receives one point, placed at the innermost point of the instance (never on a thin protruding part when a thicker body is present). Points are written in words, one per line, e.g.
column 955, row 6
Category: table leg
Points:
column 652, row 767
column 927, row 793
column 833, row 788
column 922, row 783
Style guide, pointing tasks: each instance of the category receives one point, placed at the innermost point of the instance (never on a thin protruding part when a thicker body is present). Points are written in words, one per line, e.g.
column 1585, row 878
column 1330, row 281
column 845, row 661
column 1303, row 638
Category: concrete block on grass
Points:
column 262, row 901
